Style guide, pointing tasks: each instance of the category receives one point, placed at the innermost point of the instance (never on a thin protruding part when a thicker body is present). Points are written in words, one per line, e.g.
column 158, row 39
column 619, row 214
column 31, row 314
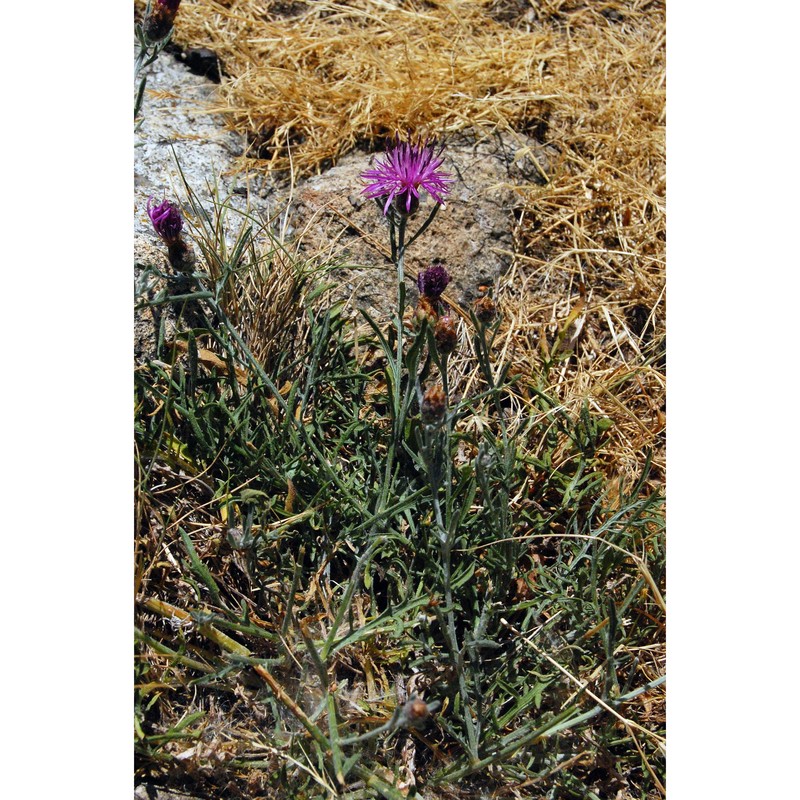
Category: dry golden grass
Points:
column 332, row 75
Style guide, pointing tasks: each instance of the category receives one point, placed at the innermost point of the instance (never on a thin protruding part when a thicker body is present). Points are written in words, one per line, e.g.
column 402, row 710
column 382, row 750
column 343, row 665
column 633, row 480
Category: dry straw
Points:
column 323, row 76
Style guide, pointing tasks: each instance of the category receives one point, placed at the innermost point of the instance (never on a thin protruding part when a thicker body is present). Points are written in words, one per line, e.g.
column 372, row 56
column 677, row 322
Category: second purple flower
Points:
column 166, row 219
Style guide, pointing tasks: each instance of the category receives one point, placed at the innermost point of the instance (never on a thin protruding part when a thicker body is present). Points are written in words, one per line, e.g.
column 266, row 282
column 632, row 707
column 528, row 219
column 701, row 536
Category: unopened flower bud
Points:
column 166, row 219
column 433, row 281
column 415, row 712
column 161, row 19
column 434, row 405
column 426, row 311
column 485, row 309
column 445, row 335
column 168, row 224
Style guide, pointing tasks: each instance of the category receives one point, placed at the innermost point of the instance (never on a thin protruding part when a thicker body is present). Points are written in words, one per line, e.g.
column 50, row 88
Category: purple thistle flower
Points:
column 433, row 281
column 407, row 168
column 166, row 219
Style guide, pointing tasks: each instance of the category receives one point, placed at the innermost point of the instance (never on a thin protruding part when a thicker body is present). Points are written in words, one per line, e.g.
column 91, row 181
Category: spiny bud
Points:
column 434, row 405
column 433, row 281
column 181, row 256
column 485, row 309
column 415, row 712
column 445, row 335
column 161, row 19
column 405, row 204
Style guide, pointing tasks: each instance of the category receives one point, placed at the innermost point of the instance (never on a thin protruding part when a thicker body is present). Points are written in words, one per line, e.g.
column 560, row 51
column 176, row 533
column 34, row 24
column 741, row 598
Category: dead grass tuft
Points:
column 324, row 77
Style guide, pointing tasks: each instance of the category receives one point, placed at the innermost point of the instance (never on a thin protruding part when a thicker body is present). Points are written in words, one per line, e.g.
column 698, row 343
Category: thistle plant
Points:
column 395, row 184
column 379, row 522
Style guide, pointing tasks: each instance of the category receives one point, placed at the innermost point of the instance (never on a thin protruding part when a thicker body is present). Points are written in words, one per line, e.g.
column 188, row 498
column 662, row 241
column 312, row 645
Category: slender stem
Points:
column 401, row 310
column 446, row 548
column 387, row 727
column 397, row 239
column 448, row 479
column 347, row 597
column 446, row 384
column 434, row 458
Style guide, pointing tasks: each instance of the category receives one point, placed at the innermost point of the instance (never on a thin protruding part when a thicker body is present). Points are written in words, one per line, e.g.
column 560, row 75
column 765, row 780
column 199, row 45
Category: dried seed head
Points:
column 445, row 335
column 426, row 311
column 415, row 712
column 485, row 309
column 434, row 405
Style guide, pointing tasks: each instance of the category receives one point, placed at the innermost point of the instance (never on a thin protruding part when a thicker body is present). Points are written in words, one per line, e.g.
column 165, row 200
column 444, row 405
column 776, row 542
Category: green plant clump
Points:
column 353, row 581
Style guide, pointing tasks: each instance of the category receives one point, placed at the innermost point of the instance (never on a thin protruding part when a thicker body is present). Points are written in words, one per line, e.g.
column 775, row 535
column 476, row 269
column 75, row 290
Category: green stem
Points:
column 397, row 239
column 433, row 457
column 401, row 309
column 387, row 727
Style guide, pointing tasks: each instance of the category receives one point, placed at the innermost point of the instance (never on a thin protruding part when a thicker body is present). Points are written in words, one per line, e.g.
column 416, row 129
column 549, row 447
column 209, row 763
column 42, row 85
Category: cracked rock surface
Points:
column 472, row 235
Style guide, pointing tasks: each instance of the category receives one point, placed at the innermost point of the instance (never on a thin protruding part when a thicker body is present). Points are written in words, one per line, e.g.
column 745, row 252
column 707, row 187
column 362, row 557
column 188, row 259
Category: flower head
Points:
column 445, row 335
column 485, row 309
column 434, row 405
column 407, row 168
column 426, row 311
column 161, row 19
column 433, row 281
column 166, row 219
column 415, row 712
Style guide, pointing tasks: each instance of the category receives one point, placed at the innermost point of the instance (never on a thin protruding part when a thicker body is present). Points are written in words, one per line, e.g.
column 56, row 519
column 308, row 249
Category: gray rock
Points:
column 176, row 129
column 472, row 235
